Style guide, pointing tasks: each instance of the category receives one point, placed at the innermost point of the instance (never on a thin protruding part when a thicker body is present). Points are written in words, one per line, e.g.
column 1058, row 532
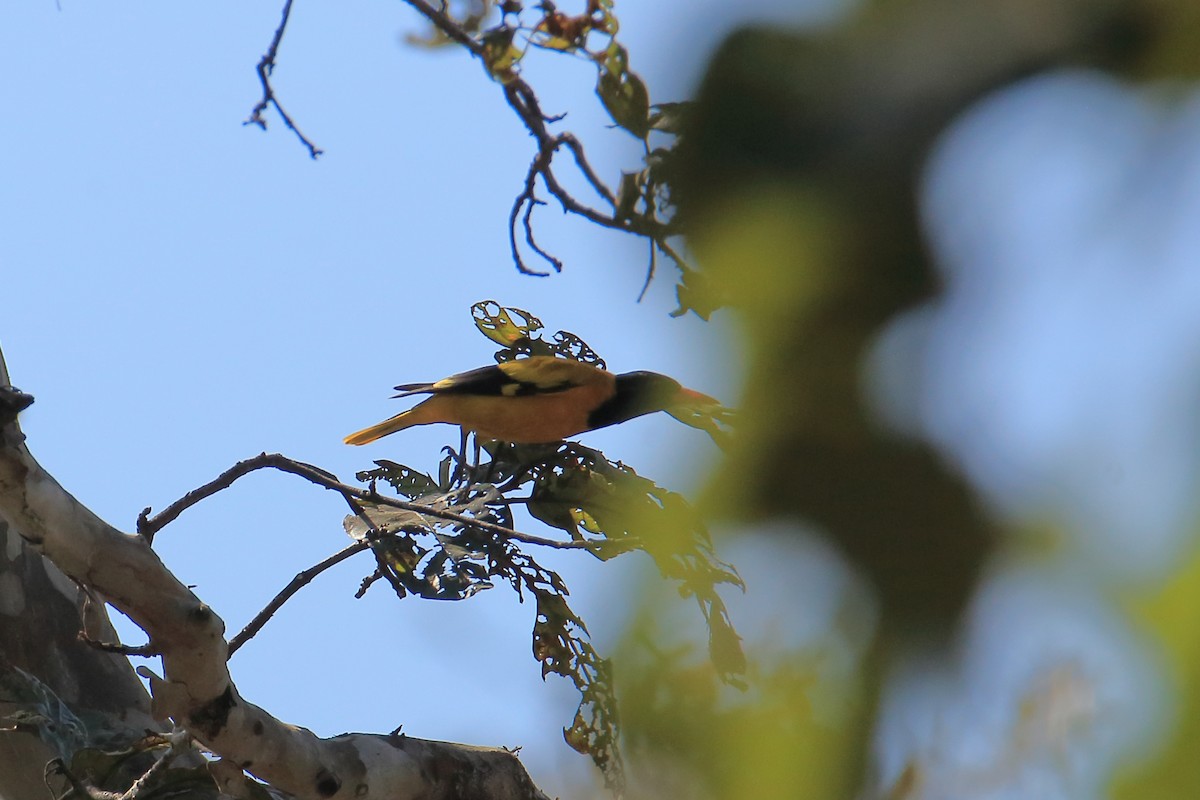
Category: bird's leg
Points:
column 477, row 455
column 461, row 473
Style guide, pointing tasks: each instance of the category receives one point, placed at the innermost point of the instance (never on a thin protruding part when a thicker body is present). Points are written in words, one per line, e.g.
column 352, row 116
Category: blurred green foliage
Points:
column 795, row 182
column 1171, row 613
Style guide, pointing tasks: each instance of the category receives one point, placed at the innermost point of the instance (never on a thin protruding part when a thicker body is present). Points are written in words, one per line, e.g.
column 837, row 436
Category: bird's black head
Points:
column 637, row 393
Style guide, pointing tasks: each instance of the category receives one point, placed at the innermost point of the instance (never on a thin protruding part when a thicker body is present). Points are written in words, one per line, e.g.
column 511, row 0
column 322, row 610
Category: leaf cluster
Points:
column 502, row 35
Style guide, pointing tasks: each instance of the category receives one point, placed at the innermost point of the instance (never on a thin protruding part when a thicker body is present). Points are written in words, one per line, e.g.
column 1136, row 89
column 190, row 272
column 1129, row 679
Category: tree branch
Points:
column 144, row 651
column 148, row 526
column 527, row 199
column 447, row 26
column 266, row 65
column 196, row 689
column 521, row 97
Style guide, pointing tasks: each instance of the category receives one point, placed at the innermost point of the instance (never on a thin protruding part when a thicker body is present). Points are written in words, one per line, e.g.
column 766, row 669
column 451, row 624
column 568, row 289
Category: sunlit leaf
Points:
column 404, row 479
column 496, row 322
column 554, row 43
column 500, row 55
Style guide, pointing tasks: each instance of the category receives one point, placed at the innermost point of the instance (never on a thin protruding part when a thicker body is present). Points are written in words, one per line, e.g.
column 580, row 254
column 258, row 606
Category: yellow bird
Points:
column 536, row 399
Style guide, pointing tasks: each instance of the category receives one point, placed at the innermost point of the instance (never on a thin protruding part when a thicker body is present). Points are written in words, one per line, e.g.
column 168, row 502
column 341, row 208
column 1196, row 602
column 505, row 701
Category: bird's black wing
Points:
column 520, row 378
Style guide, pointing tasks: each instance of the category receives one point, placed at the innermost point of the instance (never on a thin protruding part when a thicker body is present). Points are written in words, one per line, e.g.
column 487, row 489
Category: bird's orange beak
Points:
column 698, row 410
column 693, row 398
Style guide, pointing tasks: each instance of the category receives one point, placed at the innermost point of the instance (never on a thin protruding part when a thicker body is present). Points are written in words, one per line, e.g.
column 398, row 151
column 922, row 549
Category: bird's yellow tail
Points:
column 368, row 435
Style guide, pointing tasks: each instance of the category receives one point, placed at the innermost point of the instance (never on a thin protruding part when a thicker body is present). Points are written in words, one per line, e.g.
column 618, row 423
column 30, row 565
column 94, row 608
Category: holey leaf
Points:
column 404, row 479
column 496, row 322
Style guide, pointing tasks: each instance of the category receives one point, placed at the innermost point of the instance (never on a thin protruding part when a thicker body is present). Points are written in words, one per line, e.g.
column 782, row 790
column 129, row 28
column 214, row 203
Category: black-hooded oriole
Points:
column 536, row 399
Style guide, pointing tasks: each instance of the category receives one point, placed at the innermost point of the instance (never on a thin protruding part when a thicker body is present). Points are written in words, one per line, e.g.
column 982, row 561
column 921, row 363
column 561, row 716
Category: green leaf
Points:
column 697, row 294
column 404, row 479
column 623, row 93
column 500, row 55
column 496, row 322
column 517, row 330
column 548, row 42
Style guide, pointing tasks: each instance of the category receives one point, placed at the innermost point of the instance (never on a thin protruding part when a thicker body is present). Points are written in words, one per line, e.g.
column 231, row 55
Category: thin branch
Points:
column 368, row 582
column 523, row 100
column 574, row 206
column 576, row 148
column 527, row 223
column 147, row 650
column 148, row 526
column 528, row 199
column 447, row 26
column 649, row 270
column 301, row 580
column 266, row 65
column 151, row 525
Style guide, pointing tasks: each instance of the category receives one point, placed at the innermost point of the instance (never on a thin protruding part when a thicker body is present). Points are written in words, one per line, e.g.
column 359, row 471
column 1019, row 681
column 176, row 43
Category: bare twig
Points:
column 148, row 526
column 527, row 223
column 301, row 580
column 266, row 66
column 527, row 199
column 447, row 25
column 147, row 650
column 576, row 148
column 649, row 270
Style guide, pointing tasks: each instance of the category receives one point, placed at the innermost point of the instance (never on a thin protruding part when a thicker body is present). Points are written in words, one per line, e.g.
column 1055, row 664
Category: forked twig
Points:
column 266, row 65
column 148, row 526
